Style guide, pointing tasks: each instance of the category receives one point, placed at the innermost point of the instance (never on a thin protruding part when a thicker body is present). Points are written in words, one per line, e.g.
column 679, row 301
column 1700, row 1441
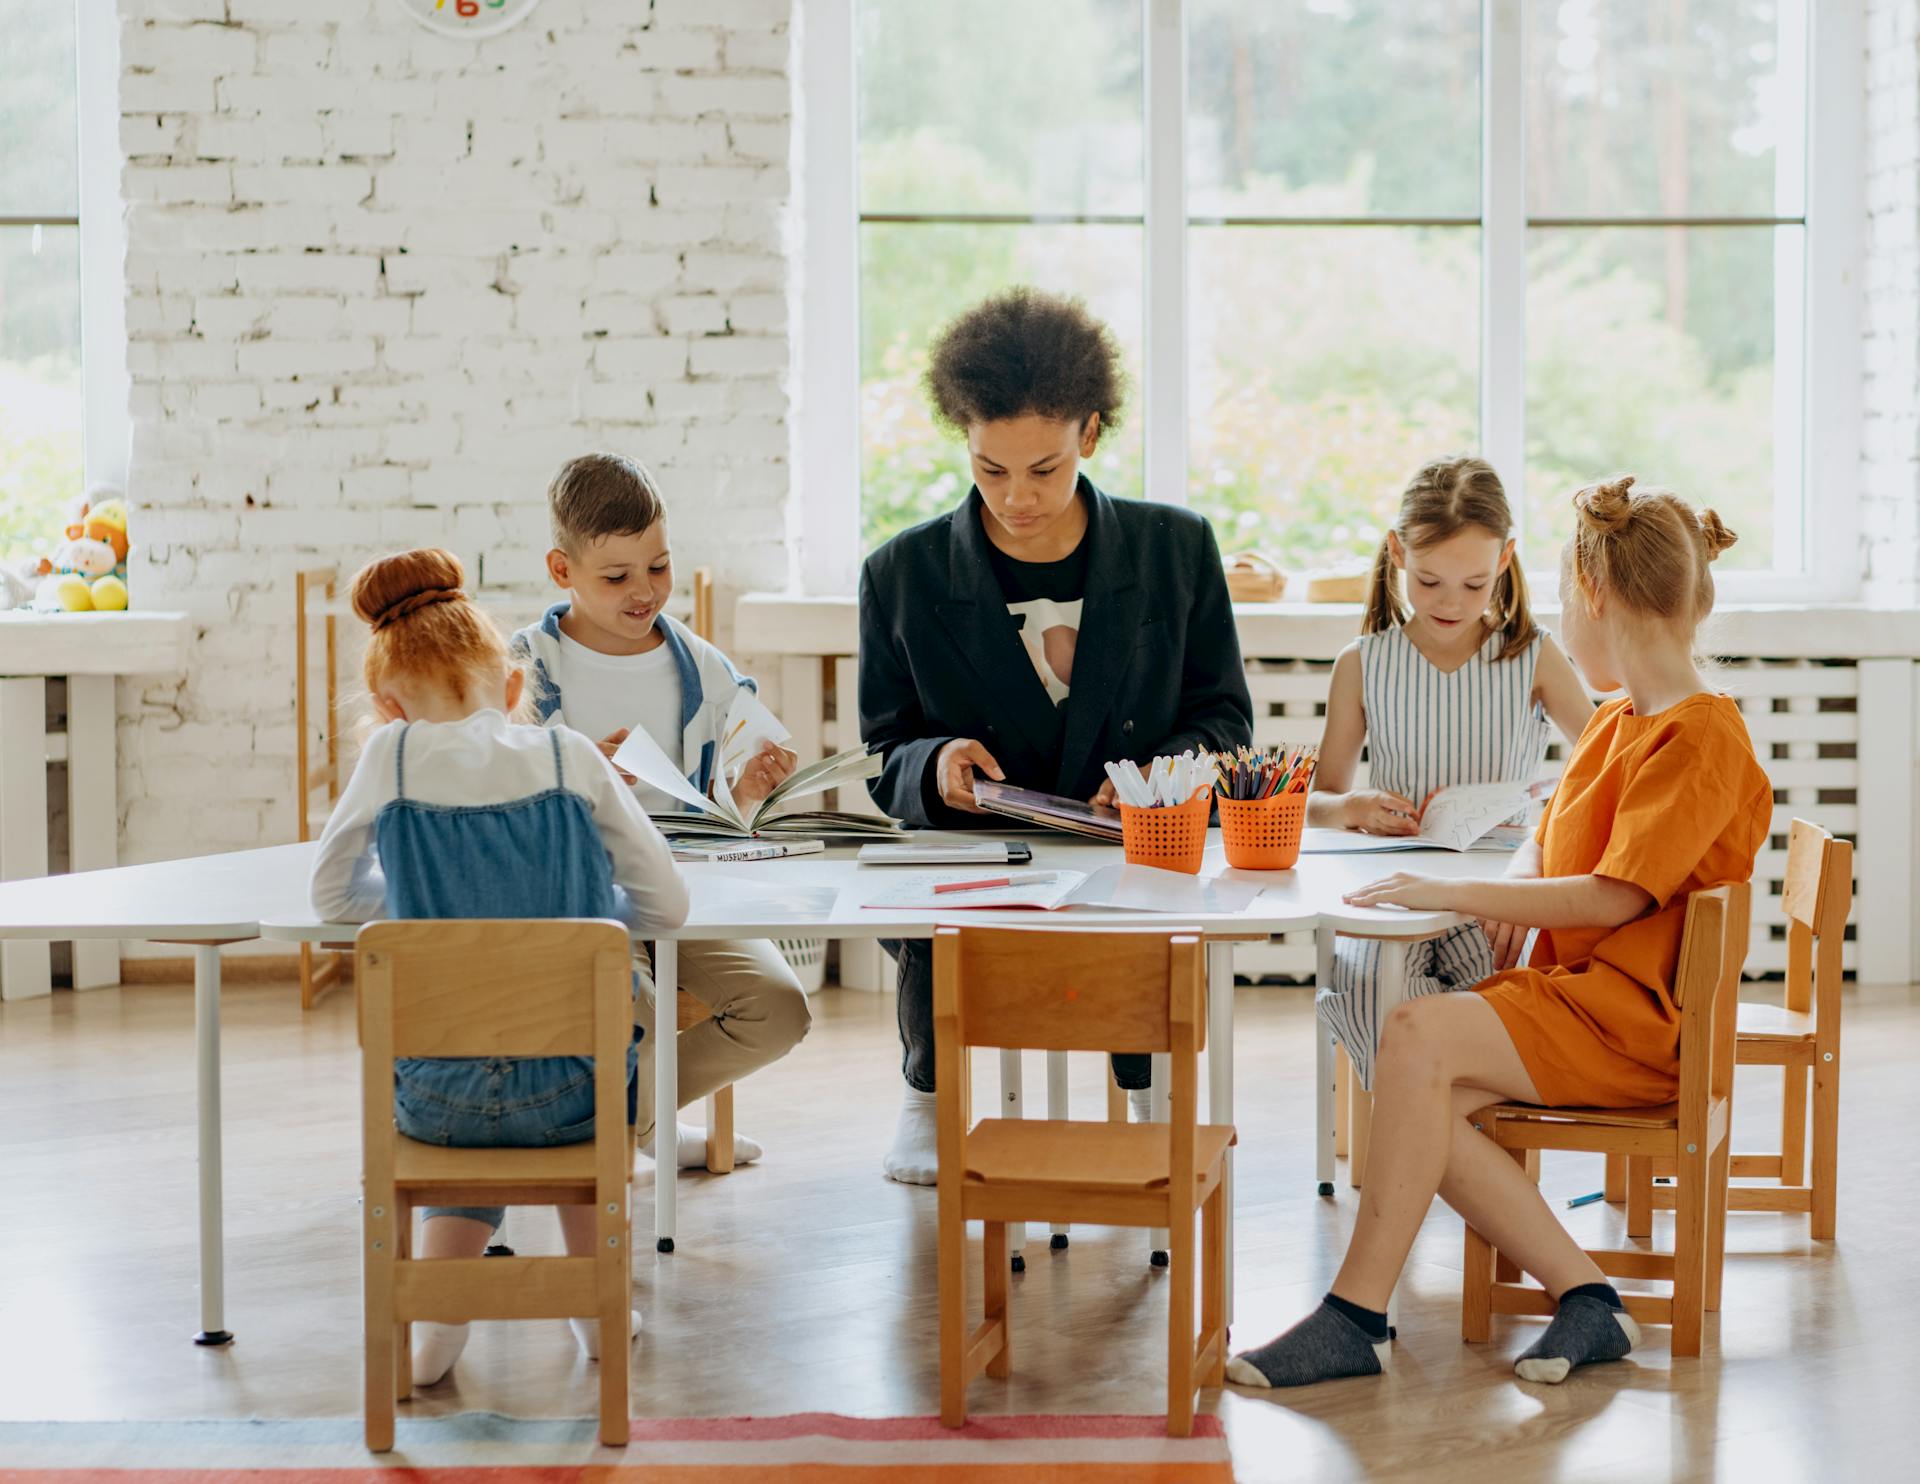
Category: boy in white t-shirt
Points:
column 610, row 659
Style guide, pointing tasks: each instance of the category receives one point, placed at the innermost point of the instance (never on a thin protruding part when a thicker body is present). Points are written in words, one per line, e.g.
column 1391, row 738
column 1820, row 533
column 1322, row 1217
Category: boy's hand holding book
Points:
column 609, row 745
column 765, row 771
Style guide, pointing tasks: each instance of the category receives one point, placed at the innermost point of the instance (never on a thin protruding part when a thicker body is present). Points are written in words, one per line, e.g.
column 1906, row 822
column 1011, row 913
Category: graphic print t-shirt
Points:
column 1044, row 600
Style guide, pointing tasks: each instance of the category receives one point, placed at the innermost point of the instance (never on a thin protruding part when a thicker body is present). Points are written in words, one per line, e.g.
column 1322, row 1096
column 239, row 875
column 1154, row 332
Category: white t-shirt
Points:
column 602, row 693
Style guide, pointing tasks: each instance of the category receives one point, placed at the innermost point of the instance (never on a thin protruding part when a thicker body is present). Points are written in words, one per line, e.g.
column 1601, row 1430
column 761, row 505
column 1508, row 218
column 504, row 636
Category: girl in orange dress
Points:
column 1662, row 797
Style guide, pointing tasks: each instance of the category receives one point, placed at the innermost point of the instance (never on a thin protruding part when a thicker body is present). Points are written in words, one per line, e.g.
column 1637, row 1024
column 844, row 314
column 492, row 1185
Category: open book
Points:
column 1113, row 888
column 1467, row 816
column 749, row 724
column 1075, row 816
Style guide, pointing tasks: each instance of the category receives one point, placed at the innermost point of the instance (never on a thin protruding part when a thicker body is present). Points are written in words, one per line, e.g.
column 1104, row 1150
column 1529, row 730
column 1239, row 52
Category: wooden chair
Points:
column 315, row 981
column 517, row 988
column 1692, row 1131
column 1801, row 1037
column 1111, row 991
column 692, row 1010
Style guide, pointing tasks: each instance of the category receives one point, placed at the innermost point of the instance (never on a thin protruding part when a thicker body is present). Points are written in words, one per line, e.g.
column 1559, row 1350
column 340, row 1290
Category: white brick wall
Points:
column 380, row 284
column 1890, row 442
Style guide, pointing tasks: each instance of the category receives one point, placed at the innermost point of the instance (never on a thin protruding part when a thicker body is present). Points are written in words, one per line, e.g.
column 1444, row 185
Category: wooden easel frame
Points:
column 315, row 980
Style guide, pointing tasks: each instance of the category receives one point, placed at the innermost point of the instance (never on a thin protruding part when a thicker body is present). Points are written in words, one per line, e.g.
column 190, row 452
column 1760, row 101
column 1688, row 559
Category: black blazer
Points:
column 1156, row 667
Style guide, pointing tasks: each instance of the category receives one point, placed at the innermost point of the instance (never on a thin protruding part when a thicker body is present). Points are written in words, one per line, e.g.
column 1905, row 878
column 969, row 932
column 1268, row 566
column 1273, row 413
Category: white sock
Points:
column 587, row 1332
column 435, row 1348
column 915, row 1156
column 693, row 1148
column 1140, row 1102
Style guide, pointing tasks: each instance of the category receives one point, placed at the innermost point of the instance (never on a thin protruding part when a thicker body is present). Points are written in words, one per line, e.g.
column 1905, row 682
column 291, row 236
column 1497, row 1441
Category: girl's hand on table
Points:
column 1406, row 889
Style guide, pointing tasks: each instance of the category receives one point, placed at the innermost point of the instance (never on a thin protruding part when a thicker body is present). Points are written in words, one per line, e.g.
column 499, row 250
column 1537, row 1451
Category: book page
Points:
column 641, row 756
column 1455, row 817
column 919, row 894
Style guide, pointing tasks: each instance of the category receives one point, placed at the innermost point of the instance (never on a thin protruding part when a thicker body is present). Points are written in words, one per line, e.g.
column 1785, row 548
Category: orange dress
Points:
column 1674, row 803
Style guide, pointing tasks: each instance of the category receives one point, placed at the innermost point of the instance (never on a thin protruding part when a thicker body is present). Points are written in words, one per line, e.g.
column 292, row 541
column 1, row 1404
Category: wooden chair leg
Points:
column 1689, row 1251
column 1343, row 1081
column 1793, row 1125
column 1826, row 1147
column 720, row 1131
column 1359, row 1135
column 953, row 1323
column 1616, row 1179
column 1180, row 1269
column 1476, row 1289
column 307, row 992
column 994, row 1249
column 1213, row 1283
column 1116, row 1100
column 378, row 1255
column 402, row 1331
column 1639, row 1196
column 1718, row 1167
column 615, row 1285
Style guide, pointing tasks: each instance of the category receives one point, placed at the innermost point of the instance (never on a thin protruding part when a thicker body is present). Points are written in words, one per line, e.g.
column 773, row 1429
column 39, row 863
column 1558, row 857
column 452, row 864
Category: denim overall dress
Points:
column 543, row 858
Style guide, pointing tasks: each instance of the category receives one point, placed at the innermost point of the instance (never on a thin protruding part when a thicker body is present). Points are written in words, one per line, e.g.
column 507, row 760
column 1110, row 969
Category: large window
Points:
column 40, row 386
column 1579, row 235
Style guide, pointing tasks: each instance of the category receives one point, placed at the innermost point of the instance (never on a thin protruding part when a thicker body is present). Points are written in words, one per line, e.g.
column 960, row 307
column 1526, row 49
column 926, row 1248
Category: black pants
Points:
column 915, row 1007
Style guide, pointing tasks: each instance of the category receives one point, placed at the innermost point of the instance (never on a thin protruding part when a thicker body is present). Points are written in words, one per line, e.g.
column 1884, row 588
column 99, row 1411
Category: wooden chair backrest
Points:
column 1048, row 989
column 1713, row 949
column 703, row 603
column 518, row 987
column 1817, row 897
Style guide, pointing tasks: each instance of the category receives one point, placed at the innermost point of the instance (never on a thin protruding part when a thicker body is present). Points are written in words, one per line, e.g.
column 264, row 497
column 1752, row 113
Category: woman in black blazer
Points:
column 1040, row 630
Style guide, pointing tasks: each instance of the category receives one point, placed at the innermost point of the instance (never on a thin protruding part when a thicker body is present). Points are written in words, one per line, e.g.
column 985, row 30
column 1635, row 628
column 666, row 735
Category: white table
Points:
column 209, row 901
column 90, row 650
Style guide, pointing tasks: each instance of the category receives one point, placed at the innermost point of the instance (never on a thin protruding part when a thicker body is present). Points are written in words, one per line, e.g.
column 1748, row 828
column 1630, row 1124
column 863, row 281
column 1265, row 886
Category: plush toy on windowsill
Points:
column 88, row 571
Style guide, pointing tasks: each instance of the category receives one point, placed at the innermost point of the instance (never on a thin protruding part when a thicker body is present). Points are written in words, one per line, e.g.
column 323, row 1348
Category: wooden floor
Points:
column 807, row 1282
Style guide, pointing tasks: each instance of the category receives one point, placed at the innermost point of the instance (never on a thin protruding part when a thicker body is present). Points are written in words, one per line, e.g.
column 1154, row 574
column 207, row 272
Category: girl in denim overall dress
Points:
column 454, row 810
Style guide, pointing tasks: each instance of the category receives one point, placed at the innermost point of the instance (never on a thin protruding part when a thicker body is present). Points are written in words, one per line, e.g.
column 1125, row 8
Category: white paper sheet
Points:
column 641, row 756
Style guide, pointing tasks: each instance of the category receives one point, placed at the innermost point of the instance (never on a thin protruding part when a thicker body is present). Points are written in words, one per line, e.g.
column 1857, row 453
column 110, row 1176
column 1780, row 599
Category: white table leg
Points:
column 1323, row 1069
column 666, row 1090
column 26, row 965
column 1012, row 1071
column 206, row 1026
column 93, row 823
column 1057, row 1111
column 1220, row 992
column 1161, row 1101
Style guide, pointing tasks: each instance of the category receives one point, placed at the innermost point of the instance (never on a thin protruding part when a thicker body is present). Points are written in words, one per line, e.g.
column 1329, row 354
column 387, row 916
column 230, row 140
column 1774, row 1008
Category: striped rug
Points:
column 808, row 1448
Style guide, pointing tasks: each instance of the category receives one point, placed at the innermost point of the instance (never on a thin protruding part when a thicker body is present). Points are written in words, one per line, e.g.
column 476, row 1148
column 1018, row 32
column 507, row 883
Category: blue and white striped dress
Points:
column 1428, row 729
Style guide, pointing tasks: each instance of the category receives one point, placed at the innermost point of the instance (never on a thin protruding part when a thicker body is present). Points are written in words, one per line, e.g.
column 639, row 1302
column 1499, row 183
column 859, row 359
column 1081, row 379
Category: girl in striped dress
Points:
column 1449, row 682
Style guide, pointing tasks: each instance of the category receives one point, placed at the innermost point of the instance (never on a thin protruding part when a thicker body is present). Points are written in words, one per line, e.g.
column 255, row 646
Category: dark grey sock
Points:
column 1585, row 1330
column 1322, row 1347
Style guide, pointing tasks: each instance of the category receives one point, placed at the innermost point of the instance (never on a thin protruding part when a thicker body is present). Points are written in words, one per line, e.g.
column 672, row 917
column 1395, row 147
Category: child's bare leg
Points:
column 437, row 1346
column 1428, row 1047
column 579, row 1229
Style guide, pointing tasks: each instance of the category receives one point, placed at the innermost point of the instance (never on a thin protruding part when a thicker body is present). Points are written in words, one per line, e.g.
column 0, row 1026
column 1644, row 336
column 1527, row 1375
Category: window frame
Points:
column 1827, row 433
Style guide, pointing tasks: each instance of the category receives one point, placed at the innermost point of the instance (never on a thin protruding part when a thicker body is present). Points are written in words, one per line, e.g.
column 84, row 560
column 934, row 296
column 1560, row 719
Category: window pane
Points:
column 1652, row 352
column 39, row 384
column 1334, row 108
column 39, row 132
column 1325, row 366
column 1665, row 107
column 916, row 277
column 1000, row 106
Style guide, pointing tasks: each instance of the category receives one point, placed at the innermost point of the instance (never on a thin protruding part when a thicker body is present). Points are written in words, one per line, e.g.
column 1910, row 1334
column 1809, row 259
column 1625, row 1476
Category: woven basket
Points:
column 1172, row 836
column 1263, row 834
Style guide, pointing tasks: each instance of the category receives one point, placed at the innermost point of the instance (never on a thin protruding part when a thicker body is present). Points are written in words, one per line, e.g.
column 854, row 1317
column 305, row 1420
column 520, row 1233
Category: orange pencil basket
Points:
column 1172, row 837
column 1263, row 834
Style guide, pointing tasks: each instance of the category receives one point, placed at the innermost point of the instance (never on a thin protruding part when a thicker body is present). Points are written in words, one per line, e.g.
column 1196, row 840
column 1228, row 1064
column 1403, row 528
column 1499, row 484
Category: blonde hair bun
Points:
column 1718, row 536
column 1606, row 508
column 388, row 589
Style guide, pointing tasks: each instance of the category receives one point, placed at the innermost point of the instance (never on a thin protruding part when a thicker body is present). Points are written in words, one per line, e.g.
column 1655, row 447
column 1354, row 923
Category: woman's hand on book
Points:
column 765, row 771
column 609, row 745
column 1106, row 798
column 1378, row 812
column 953, row 773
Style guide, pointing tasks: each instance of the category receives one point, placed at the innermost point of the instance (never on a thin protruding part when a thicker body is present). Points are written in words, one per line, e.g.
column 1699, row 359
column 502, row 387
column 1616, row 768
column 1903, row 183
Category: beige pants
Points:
column 759, row 1015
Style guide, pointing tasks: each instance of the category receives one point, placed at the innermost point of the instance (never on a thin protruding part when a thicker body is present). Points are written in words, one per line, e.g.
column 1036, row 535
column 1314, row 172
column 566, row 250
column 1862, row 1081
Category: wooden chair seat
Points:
column 1660, row 1116
column 1775, row 1023
column 442, row 1176
column 1114, row 1158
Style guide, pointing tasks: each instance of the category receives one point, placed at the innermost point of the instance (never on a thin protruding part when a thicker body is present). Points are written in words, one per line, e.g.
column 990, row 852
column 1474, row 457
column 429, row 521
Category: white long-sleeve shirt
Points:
column 485, row 759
